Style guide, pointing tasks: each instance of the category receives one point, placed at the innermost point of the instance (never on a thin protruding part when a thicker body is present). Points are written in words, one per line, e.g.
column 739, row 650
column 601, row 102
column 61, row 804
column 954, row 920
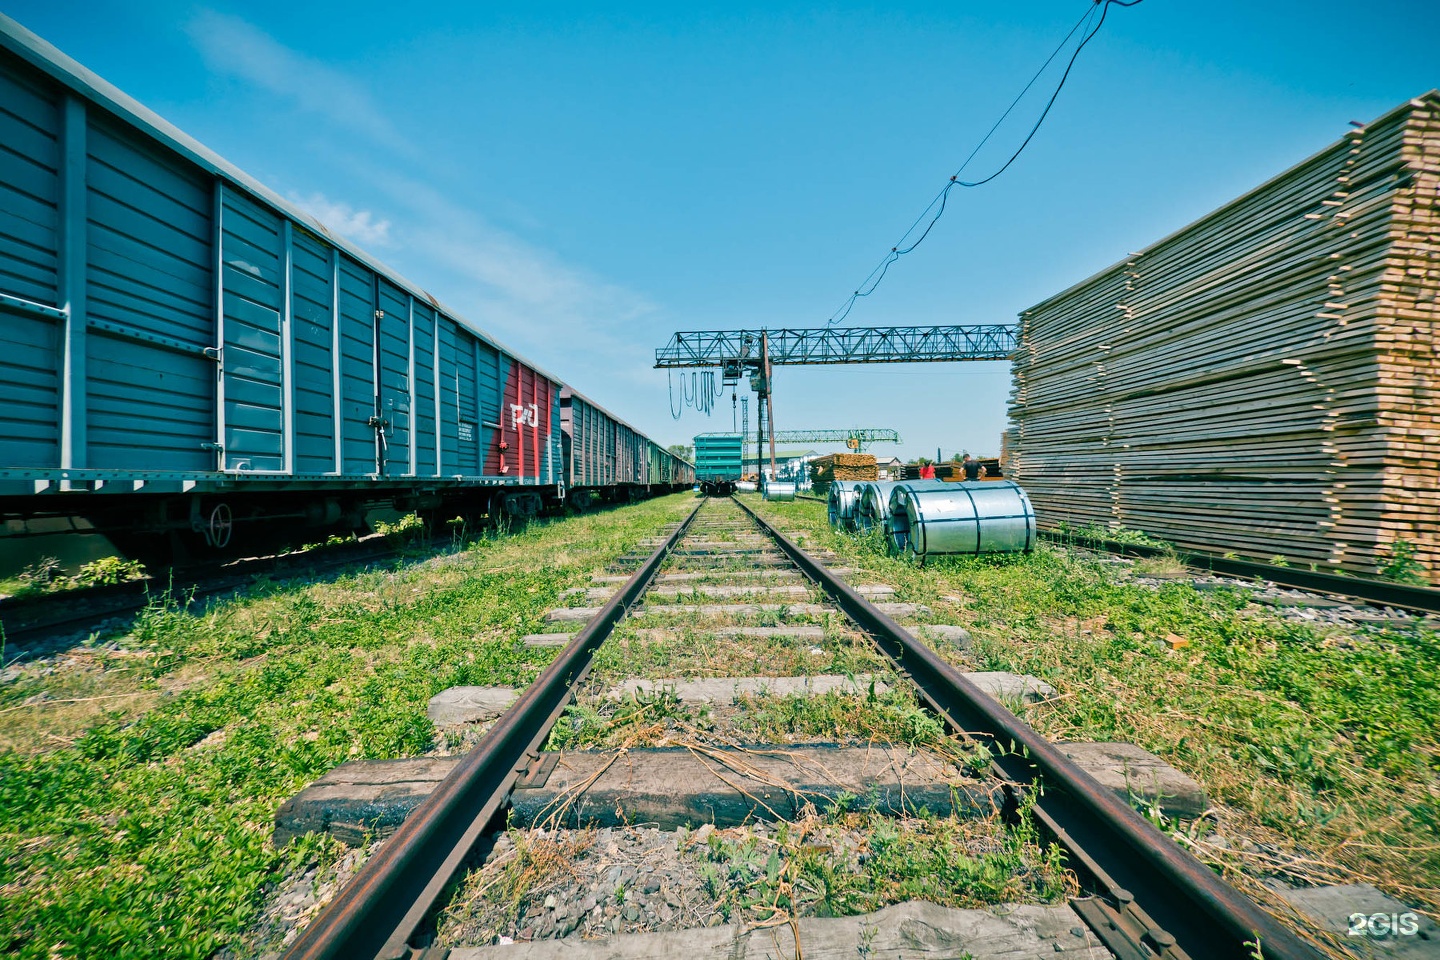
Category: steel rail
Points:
column 378, row 911
column 28, row 621
column 1399, row 595
column 1161, row 900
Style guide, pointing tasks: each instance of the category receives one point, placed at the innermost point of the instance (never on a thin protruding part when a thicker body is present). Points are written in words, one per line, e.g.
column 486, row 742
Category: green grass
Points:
column 813, row 868
column 1319, row 742
column 138, row 785
column 690, row 650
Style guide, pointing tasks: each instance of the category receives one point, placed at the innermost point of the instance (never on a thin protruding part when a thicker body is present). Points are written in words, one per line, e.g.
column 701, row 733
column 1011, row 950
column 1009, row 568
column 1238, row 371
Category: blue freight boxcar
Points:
column 607, row 459
column 173, row 332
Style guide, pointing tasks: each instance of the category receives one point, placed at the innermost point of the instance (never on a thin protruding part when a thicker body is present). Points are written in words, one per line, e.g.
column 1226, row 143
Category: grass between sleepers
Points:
column 139, row 778
column 1319, row 744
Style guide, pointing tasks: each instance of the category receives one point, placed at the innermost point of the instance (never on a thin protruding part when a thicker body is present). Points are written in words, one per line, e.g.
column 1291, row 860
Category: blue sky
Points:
column 582, row 180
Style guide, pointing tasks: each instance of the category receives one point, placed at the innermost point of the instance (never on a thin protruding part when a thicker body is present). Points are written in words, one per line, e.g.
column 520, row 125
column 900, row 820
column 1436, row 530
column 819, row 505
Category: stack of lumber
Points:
column 844, row 466
column 954, row 471
column 1264, row 381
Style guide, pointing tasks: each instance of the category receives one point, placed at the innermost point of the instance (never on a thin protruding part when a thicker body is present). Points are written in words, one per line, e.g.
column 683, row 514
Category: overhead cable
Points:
column 699, row 390
column 904, row 245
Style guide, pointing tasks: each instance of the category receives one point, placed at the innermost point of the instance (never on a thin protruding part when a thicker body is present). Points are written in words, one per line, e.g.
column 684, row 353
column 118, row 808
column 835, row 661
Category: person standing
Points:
column 974, row 469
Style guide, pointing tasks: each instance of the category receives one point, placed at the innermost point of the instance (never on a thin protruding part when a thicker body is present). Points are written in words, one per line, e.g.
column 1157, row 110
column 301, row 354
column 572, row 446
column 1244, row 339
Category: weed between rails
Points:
column 1320, row 745
column 844, row 863
column 586, row 883
column 143, row 830
column 660, row 719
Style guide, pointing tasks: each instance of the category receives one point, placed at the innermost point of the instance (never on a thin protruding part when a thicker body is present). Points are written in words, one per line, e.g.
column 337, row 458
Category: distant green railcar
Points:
column 717, row 462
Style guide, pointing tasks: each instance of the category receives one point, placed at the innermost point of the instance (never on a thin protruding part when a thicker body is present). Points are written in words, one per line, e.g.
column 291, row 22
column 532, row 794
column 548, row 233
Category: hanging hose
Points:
column 700, row 392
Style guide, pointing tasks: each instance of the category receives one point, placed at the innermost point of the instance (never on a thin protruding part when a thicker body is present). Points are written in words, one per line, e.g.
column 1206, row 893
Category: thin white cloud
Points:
column 361, row 226
column 563, row 317
column 231, row 45
column 507, row 283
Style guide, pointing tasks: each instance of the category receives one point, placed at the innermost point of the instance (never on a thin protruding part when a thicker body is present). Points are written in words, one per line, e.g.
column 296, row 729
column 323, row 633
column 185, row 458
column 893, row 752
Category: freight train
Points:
column 185, row 356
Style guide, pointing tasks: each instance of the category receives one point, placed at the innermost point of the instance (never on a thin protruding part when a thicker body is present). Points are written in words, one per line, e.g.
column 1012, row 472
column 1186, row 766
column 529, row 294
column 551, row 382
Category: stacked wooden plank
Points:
column 1264, row 381
column 844, row 466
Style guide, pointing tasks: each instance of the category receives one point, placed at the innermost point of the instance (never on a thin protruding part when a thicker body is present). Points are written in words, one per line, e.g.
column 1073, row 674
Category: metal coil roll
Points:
column 872, row 508
column 780, row 490
column 842, row 501
column 973, row 517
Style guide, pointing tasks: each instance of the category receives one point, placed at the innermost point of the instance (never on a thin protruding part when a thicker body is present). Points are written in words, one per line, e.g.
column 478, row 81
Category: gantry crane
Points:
column 856, row 439
column 753, row 352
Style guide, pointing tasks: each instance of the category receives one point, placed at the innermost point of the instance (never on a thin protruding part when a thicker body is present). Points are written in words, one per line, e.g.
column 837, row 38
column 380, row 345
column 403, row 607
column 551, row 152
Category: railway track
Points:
column 1400, row 596
column 1139, row 894
column 30, row 622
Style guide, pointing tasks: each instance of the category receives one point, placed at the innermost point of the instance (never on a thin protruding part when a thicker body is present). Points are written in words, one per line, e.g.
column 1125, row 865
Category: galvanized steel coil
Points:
column 872, row 504
column 872, row 508
column 780, row 490
column 842, row 501
column 973, row 516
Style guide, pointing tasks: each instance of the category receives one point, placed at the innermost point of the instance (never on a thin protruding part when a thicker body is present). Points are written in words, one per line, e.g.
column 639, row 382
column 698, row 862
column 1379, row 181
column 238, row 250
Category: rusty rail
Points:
column 1402, row 596
column 1154, row 899
column 376, row 913
column 1148, row 898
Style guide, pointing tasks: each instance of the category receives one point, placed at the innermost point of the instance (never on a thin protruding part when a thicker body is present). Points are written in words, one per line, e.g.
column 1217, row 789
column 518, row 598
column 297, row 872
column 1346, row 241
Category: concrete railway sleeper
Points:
column 690, row 749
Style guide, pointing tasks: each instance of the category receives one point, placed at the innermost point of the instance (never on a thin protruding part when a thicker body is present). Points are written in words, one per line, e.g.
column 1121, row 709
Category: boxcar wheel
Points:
column 219, row 526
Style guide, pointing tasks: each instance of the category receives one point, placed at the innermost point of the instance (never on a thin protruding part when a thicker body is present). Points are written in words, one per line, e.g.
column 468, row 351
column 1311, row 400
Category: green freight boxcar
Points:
column 717, row 462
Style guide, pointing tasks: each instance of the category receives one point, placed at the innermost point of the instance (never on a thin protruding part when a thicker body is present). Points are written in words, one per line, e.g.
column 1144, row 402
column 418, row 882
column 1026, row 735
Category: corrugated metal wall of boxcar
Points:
column 602, row 447
column 624, row 471
column 599, row 458
column 425, row 441
column 583, row 450
column 448, row 375
column 312, row 301
column 30, row 124
column 357, row 367
column 462, row 400
column 589, row 428
column 254, row 271
column 620, row 473
column 151, row 299
column 635, row 456
column 554, row 450
column 524, row 447
column 579, row 431
column 625, row 444
column 611, row 451
column 567, row 432
column 490, row 366
column 393, row 327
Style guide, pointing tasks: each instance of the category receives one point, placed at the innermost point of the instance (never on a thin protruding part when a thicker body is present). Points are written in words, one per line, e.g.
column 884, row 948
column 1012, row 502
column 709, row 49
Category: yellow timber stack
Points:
column 1264, row 381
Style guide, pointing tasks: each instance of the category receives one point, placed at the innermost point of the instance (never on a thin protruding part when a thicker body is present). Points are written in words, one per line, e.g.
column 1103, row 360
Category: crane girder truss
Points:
column 860, row 434
column 820, row 345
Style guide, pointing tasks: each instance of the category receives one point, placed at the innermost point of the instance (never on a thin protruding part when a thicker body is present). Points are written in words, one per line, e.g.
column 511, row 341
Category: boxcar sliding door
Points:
column 392, row 376
column 254, row 315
